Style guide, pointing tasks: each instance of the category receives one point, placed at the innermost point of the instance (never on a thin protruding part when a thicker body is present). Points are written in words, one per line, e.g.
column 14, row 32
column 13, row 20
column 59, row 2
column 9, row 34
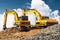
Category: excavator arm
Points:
column 5, row 17
column 32, row 11
column 41, row 20
column 37, row 14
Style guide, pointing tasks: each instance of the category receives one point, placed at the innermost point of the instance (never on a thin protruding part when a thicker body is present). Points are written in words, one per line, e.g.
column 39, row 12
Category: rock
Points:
column 49, row 33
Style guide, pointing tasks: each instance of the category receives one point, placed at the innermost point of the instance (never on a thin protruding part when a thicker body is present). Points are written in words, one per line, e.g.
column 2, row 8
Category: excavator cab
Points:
column 24, row 21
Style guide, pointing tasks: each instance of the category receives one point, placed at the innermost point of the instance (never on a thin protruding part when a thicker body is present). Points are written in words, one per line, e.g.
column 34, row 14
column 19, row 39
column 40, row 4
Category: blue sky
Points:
column 15, row 4
column 53, row 4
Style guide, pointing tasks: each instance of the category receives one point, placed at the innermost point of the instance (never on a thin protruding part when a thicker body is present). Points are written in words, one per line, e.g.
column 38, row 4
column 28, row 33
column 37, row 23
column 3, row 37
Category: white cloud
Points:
column 41, row 7
column 55, row 15
column 10, row 21
column 19, row 11
column 1, row 22
column 27, row 3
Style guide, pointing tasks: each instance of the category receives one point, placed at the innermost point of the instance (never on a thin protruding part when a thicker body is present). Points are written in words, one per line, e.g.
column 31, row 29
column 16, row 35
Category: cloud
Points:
column 19, row 11
column 41, row 6
column 10, row 21
column 55, row 15
column 27, row 3
column 1, row 22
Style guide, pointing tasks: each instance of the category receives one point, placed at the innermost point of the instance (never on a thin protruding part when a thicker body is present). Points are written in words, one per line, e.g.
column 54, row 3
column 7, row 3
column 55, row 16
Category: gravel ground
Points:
column 15, row 34
column 49, row 33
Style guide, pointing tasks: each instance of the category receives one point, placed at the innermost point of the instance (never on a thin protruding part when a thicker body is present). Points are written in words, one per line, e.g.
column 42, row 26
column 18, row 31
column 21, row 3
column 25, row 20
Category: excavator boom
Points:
column 41, row 20
column 5, row 17
column 19, row 22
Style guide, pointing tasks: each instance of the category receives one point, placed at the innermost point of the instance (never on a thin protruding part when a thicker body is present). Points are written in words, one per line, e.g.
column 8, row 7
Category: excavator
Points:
column 19, row 21
column 23, row 23
column 40, row 20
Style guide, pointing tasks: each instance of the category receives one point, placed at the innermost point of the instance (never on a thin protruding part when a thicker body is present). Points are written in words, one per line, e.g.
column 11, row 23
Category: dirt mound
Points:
column 14, row 34
column 49, row 33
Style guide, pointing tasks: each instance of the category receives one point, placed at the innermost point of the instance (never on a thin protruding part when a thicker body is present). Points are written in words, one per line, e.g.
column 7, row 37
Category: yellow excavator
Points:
column 19, row 21
column 23, row 21
column 40, row 20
